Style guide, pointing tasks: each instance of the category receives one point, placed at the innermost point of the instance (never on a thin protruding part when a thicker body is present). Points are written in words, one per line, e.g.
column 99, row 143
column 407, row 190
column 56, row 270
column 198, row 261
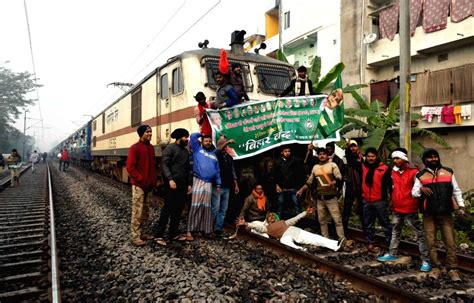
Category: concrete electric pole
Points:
column 405, row 61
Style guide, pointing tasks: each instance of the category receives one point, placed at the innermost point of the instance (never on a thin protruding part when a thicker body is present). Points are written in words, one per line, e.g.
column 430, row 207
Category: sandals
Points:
column 160, row 241
column 184, row 238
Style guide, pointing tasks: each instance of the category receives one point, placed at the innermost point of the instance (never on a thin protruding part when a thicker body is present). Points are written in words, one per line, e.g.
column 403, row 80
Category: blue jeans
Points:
column 372, row 211
column 414, row 223
column 219, row 204
column 288, row 200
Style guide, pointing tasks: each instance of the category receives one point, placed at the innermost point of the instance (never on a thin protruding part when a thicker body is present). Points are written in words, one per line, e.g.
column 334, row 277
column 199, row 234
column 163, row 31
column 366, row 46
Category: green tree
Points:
column 382, row 125
column 14, row 91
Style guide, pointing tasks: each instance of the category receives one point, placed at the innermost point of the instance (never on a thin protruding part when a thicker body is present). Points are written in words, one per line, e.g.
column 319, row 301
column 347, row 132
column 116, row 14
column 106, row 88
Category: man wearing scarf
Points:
column 200, row 114
column 375, row 184
column 326, row 174
column 288, row 234
column 405, row 208
column 435, row 187
column 255, row 205
column 301, row 86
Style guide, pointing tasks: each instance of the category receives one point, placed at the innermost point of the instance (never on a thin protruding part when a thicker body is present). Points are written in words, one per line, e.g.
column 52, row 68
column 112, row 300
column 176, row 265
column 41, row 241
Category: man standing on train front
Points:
column 141, row 167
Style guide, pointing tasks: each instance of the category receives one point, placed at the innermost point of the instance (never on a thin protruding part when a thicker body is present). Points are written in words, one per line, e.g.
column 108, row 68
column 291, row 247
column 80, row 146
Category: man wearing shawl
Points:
column 288, row 234
column 255, row 205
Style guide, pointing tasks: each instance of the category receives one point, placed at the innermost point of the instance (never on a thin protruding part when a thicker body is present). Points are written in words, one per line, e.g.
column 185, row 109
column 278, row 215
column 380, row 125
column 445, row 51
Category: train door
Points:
column 171, row 91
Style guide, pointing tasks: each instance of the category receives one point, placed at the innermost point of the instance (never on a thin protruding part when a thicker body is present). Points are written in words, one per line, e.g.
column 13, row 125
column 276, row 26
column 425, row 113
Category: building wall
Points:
column 271, row 26
column 459, row 157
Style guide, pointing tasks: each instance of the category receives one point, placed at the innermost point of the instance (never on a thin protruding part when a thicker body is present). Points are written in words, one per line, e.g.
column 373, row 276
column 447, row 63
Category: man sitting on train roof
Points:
column 301, row 84
column 288, row 234
column 226, row 96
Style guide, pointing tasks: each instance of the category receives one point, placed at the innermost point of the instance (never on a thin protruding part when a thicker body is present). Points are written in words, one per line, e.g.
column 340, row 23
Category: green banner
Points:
column 258, row 126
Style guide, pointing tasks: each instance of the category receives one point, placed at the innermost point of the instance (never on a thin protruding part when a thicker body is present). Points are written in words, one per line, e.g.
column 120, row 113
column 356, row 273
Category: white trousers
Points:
column 295, row 234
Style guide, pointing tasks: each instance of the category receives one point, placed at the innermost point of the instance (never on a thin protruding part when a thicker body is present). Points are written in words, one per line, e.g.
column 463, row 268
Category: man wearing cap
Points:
column 200, row 114
column 405, row 208
column 177, row 182
column 237, row 82
column 141, row 167
column 205, row 172
column 435, row 187
column 352, row 179
column 226, row 96
column 301, row 86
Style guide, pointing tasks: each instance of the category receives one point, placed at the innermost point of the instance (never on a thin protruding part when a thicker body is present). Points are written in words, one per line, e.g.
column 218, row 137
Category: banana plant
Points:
column 382, row 125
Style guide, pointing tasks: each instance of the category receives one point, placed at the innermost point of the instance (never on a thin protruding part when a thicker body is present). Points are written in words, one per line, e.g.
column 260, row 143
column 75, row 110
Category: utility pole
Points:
column 405, row 61
column 280, row 24
column 24, row 137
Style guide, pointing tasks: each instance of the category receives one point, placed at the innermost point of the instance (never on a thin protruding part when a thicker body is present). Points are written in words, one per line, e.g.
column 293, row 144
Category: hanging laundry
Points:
column 466, row 111
column 437, row 110
column 428, row 113
column 457, row 114
column 447, row 115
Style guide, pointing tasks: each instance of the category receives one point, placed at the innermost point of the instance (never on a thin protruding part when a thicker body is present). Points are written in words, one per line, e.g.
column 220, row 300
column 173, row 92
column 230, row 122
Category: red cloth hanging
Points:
column 223, row 63
column 435, row 15
column 388, row 22
column 461, row 9
column 415, row 13
column 447, row 114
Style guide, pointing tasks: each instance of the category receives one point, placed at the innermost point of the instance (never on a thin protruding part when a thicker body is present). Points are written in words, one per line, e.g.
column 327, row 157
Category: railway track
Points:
column 28, row 259
column 359, row 268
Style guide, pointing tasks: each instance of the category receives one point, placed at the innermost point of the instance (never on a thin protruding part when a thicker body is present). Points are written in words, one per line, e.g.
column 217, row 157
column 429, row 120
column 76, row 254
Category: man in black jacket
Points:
column 436, row 188
column 177, row 182
column 301, row 86
column 289, row 177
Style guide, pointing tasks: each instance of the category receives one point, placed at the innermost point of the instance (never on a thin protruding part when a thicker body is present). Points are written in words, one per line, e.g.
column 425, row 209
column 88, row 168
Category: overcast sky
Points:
column 80, row 46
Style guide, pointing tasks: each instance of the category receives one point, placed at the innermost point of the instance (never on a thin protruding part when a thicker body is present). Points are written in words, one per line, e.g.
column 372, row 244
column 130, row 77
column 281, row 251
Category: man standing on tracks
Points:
column 141, row 167
column 34, row 159
column 405, row 208
column 289, row 178
column 326, row 174
column 375, row 185
column 352, row 179
column 177, row 182
column 220, row 201
column 14, row 164
column 435, row 186
column 64, row 160
column 205, row 172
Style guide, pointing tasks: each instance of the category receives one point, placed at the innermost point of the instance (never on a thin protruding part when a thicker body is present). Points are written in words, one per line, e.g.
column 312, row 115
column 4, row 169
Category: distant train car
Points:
column 80, row 146
column 164, row 100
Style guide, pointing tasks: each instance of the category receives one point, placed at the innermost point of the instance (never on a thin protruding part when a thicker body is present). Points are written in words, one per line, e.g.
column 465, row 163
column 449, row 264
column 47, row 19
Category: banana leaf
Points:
column 328, row 78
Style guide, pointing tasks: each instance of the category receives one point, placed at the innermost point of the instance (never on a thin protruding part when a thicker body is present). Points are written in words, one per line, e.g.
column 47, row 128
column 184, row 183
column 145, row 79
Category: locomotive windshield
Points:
column 212, row 67
column 273, row 79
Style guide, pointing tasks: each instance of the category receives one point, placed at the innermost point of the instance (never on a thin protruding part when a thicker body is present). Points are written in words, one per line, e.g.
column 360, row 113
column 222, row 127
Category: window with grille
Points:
column 103, row 123
column 212, row 67
column 287, row 20
column 94, row 141
column 164, row 88
column 94, row 125
column 177, row 81
column 136, row 107
column 273, row 79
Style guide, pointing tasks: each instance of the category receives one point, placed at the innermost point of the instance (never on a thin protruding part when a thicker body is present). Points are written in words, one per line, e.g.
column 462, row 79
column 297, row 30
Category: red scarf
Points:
column 260, row 200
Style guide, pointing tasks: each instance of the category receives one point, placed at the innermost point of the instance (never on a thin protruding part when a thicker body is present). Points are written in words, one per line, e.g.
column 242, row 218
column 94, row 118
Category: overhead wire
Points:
column 34, row 69
column 175, row 40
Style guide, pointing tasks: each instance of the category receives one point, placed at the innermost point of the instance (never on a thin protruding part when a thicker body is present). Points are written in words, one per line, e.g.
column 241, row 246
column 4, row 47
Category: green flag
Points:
column 332, row 115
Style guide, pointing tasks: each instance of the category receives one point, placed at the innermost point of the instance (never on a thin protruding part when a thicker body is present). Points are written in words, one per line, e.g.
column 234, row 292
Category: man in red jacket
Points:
column 405, row 208
column 142, row 170
column 375, row 184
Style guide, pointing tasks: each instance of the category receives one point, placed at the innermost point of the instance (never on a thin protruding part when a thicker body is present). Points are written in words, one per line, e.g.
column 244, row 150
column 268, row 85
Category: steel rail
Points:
column 361, row 282
column 465, row 262
column 55, row 288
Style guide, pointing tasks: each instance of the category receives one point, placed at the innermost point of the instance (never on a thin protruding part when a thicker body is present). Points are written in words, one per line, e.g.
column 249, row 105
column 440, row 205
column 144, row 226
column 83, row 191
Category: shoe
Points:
column 138, row 242
column 340, row 243
column 387, row 257
column 373, row 249
column 435, row 273
column 160, row 241
column 454, row 275
column 425, row 266
column 147, row 237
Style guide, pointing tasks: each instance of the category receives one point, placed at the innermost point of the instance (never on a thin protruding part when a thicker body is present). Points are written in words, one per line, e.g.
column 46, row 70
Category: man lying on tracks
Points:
column 288, row 234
